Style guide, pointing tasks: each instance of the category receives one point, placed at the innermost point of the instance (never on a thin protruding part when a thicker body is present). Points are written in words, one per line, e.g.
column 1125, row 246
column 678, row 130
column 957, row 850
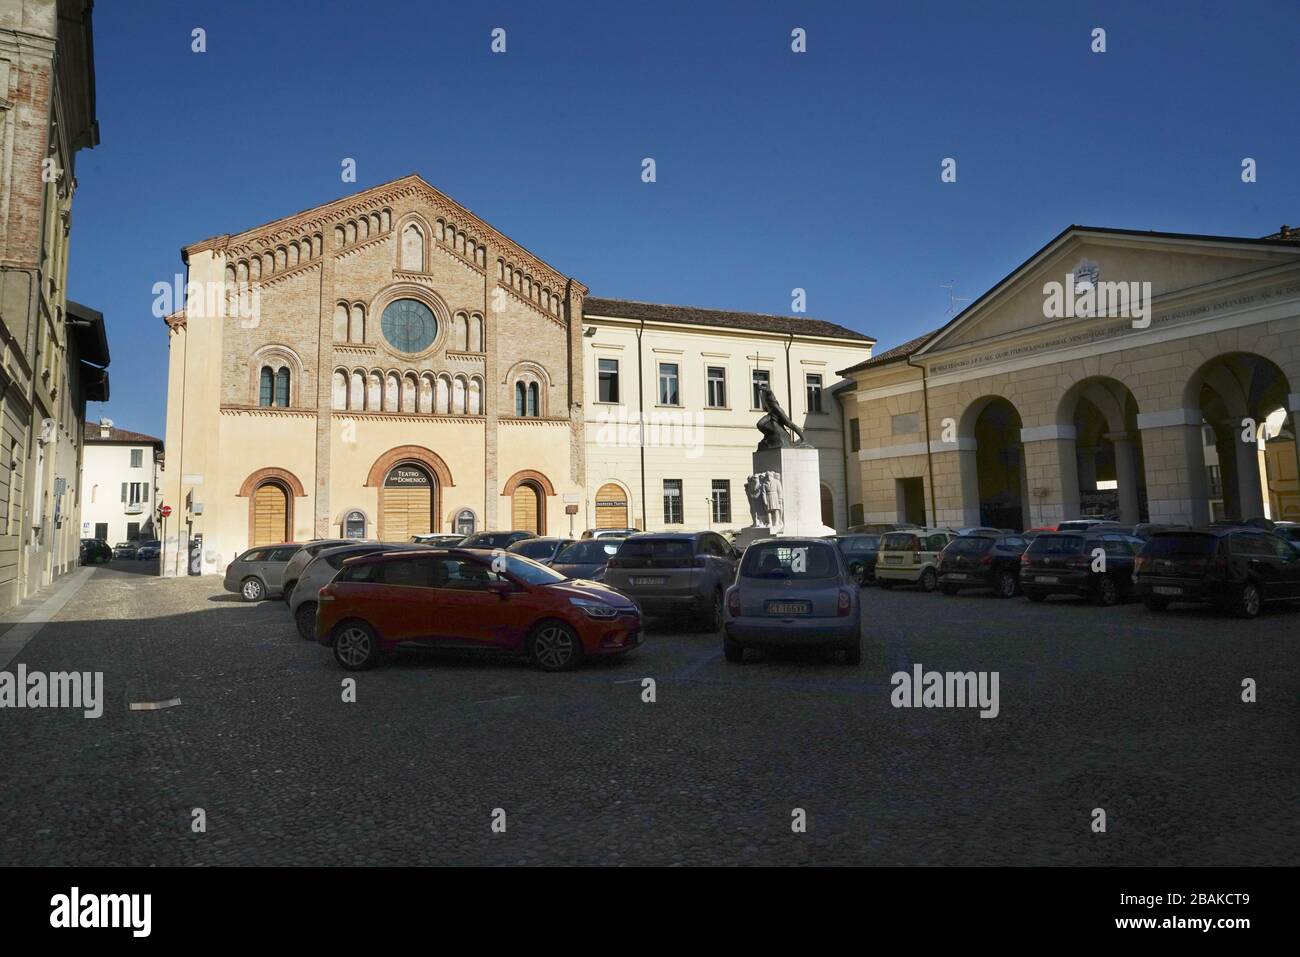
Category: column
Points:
column 1050, row 450
column 1177, row 491
column 1126, row 477
column 1245, row 453
column 968, row 464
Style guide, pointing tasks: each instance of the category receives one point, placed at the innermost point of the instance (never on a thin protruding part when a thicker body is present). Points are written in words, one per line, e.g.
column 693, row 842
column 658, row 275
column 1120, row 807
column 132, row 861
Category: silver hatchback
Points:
column 793, row 593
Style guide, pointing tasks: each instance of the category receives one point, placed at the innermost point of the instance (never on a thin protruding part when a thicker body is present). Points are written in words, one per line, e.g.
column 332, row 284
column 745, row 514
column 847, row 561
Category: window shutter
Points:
column 124, row 491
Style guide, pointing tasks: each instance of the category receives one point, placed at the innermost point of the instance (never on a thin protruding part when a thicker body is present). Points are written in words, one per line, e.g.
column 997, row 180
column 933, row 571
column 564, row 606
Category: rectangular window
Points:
column 761, row 379
column 673, row 502
column 906, row 423
column 722, row 500
column 608, row 380
column 813, row 388
column 137, row 458
column 668, row 394
column 134, row 493
column 717, row 377
column 855, row 436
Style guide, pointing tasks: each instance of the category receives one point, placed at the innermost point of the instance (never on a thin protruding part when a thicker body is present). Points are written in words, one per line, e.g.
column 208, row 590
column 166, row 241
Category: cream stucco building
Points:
column 1018, row 413
column 119, row 483
column 389, row 364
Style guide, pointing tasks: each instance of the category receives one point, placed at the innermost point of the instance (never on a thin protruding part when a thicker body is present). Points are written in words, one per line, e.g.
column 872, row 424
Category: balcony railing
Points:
column 133, row 508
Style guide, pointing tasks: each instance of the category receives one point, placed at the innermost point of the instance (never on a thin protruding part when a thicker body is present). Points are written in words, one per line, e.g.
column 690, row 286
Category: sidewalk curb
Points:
column 16, row 638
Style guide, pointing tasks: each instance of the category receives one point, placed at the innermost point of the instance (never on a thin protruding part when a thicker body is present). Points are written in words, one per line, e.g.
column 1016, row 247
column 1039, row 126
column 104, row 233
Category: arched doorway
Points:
column 1108, row 450
column 993, row 475
column 611, row 506
column 1248, row 447
column 407, row 502
column 270, row 514
column 526, row 509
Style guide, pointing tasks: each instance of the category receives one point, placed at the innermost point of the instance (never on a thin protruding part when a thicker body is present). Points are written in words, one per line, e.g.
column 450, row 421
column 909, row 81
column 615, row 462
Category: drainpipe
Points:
column 929, row 455
column 640, row 431
column 789, row 383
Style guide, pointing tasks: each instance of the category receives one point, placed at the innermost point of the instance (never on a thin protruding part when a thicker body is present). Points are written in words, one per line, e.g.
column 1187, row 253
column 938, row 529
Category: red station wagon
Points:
column 462, row 598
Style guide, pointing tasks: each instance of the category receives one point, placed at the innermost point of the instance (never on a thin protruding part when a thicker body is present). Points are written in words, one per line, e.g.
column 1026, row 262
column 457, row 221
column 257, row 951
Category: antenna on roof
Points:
column 952, row 300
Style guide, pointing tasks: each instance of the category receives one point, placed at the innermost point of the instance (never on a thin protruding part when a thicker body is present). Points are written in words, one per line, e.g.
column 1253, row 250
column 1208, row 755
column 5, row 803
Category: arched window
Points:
column 412, row 248
column 534, row 395
column 282, row 387
column 519, row 399
column 266, row 387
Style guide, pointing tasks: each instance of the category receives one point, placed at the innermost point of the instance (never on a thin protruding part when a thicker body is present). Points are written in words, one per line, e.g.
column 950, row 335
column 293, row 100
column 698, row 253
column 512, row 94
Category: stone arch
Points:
column 418, row 454
column 991, row 463
column 272, row 474
column 528, row 475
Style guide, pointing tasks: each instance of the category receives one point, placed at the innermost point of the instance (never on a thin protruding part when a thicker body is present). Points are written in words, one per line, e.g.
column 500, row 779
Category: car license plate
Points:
column 788, row 607
column 1047, row 579
column 1166, row 590
column 961, row 575
column 894, row 559
column 649, row 581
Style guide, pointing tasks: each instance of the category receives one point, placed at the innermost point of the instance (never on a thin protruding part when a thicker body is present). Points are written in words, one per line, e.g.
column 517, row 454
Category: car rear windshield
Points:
column 534, row 548
column 1180, row 546
column 777, row 560
column 859, row 544
column 587, row 553
column 899, row 542
column 1057, row 545
column 970, row 545
column 659, row 548
column 337, row 559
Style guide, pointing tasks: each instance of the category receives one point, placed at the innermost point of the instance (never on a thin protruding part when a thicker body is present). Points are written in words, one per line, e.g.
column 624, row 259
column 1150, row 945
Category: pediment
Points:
column 1173, row 265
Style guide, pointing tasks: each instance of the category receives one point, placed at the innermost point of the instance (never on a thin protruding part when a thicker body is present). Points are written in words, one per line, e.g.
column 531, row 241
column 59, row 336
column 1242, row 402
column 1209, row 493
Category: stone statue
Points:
column 773, row 501
column 776, row 426
column 754, row 492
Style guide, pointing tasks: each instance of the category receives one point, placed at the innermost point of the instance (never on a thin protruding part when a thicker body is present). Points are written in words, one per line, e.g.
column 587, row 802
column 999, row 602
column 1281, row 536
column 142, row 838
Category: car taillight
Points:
column 327, row 593
column 1024, row 558
column 733, row 603
column 845, row 602
column 916, row 558
column 1140, row 564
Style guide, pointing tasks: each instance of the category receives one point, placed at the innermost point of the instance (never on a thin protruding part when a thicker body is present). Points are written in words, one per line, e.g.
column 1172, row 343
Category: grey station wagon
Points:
column 259, row 572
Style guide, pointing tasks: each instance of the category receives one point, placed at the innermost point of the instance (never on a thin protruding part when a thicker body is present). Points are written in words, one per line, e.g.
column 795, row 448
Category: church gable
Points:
column 1118, row 267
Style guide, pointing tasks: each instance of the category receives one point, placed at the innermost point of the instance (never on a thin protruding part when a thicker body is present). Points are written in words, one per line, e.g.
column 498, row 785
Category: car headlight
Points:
column 594, row 609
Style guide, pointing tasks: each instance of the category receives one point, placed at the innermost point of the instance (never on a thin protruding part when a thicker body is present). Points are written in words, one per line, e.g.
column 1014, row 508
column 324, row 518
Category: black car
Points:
column 982, row 561
column 860, row 551
column 541, row 550
column 495, row 539
column 95, row 551
column 1237, row 568
column 1096, row 564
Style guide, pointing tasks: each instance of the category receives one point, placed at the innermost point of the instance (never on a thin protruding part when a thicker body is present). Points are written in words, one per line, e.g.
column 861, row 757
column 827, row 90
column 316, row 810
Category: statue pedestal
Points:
column 801, row 488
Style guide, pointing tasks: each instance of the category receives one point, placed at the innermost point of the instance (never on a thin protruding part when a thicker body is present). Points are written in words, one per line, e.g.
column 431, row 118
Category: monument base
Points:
column 801, row 488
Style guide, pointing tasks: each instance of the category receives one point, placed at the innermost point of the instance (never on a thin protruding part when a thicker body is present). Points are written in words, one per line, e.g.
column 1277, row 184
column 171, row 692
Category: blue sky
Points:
column 775, row 170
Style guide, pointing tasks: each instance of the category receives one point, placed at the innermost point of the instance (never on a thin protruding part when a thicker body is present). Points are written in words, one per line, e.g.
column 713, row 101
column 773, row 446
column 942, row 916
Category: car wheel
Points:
column 1033, row 594
column 1006, row 585
column 929, row 580
column 1106, row 592
column 733, row 651
column 853, row 656
column 1156, row 604
column 714, row 623
column 554, row 646
column 356, row 646
column 305, row 619
column 252, row 589
column 1248, row 601
column 949, row 589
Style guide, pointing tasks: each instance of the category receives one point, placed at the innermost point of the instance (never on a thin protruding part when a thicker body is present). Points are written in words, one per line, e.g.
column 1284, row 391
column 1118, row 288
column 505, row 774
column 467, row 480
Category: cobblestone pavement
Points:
column 1123, row 709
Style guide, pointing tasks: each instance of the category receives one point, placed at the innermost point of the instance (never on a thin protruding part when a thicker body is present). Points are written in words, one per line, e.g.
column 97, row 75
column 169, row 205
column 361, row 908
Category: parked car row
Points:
column 96, row 551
